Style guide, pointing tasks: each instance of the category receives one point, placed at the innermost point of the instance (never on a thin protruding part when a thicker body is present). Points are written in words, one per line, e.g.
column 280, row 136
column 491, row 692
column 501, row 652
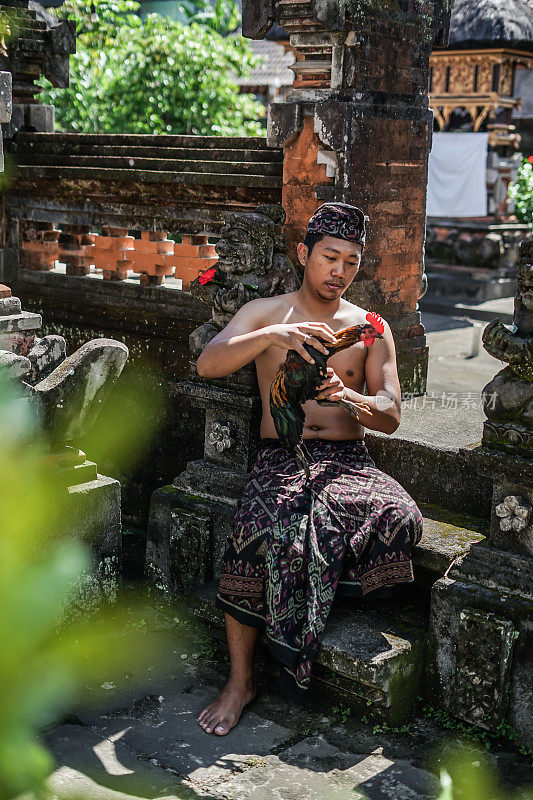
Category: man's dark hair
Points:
column 311, row 239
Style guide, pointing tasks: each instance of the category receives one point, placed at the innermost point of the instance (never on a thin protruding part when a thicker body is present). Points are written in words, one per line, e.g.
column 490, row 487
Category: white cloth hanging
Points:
column 457, row 175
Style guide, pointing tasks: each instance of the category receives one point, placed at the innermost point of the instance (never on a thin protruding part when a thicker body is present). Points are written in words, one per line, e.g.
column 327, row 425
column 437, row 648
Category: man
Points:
column 350, row 527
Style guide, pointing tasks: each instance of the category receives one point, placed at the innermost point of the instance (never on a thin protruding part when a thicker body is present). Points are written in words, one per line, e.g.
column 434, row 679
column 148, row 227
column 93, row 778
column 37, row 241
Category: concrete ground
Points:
column 144, row 742
column 457, row 360
column 450, row 414
column 139, row 738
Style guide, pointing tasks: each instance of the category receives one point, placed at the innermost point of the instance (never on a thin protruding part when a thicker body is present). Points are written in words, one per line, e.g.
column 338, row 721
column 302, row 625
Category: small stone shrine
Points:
column 41, row 45
column 66, row 394
column 482, row 611
column 190, row 520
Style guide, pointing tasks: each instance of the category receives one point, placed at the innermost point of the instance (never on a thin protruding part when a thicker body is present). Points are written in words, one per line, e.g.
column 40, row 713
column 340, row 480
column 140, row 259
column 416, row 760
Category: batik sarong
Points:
column 296, row 542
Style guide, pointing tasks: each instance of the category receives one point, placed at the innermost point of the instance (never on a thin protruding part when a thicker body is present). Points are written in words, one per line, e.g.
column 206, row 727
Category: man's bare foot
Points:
column 223, row 714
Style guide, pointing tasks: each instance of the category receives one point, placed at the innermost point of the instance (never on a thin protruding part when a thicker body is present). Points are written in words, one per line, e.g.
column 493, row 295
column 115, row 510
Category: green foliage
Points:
column 467, row 773
column 521, row 191
column 153, row 75
column 222, row 16
column 47, row 663
column 343, row 711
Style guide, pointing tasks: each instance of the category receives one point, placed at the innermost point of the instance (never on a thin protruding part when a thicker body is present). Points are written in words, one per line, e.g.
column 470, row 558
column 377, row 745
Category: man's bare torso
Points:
column 321, row 422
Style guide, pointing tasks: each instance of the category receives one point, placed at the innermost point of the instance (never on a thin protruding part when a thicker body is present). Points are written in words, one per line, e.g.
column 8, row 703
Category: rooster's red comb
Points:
column 376, row 321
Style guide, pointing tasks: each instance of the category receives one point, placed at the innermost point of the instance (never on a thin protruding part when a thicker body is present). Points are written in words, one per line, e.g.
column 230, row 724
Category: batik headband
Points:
column 340, row 220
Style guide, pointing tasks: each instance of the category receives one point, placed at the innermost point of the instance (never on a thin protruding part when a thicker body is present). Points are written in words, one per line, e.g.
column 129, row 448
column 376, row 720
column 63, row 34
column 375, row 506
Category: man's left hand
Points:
column 332, row 388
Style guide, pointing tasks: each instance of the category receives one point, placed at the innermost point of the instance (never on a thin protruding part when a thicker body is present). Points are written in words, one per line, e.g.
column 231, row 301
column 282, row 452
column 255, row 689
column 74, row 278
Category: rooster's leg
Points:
column 349, row 406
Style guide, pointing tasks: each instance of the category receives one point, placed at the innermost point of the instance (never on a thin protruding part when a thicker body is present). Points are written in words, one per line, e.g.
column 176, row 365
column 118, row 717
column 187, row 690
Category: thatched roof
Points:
column 493, row 23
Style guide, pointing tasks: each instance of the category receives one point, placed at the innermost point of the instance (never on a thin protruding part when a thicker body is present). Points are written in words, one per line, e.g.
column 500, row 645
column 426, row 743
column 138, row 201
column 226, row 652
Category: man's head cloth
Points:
column 340, row 220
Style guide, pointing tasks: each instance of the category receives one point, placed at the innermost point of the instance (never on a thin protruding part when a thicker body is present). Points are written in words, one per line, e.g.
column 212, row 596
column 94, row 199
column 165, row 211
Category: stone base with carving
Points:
column 92, row 514
column 481, row 627
column 191, row 519
column 481, row 641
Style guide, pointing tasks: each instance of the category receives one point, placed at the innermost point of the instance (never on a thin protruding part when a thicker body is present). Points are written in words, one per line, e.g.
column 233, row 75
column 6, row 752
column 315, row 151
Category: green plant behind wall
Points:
column 152, row 75
column 521, row 191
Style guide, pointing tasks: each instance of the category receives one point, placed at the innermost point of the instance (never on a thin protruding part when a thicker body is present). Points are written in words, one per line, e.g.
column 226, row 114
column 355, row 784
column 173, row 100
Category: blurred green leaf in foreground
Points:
column 44, row 667
column 468, row 773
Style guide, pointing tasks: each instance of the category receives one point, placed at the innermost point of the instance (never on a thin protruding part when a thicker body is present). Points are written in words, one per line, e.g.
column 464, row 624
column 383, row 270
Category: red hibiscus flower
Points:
column 207, row 276
column 210, row 275
column 530, row 159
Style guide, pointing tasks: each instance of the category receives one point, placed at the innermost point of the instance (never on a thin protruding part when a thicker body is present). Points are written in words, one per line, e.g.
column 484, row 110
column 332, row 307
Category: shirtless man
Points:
column 263, row 331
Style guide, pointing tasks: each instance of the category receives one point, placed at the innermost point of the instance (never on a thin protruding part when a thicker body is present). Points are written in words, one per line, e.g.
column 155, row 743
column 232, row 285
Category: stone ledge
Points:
column 377, row 659
column 137, row 176
column 442, row 542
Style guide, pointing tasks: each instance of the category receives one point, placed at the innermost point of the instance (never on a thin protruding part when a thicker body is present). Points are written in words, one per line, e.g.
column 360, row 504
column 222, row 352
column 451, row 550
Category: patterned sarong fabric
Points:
column 348, row 529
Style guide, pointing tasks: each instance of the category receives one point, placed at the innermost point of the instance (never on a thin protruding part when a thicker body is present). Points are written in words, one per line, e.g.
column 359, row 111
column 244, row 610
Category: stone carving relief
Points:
column 514, row 513
column 220, row 437
column 483, row 662
column 252, row 262
column 508, row 397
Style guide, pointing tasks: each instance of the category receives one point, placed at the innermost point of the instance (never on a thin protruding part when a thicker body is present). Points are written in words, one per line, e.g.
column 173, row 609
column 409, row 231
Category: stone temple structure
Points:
column 66, row 394
column 482, row 611
column 109, row 234
column 475, row 87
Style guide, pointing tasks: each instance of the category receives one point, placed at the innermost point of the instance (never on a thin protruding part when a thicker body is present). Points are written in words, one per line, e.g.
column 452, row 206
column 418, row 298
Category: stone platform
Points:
column 469, row 284
column 450, row 307
column 144, row 741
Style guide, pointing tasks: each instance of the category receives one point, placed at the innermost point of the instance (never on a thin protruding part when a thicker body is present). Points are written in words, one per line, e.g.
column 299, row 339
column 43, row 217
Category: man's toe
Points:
column 221, row 730
column 223, row 727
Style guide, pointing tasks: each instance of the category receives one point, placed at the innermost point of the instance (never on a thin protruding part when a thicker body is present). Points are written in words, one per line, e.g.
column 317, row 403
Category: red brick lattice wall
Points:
column 114, row 252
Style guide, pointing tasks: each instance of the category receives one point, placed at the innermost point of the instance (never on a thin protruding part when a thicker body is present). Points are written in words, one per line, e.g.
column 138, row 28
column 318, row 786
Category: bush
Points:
column 521, row 191
column 152, row 75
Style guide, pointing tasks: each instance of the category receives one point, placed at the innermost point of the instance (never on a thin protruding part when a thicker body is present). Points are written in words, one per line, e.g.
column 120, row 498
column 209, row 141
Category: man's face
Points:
column 332, row 265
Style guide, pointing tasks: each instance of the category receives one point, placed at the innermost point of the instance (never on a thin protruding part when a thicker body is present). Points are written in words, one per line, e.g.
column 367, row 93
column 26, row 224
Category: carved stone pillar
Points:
column 356, row 127
column 482, row 613
column 190, row 520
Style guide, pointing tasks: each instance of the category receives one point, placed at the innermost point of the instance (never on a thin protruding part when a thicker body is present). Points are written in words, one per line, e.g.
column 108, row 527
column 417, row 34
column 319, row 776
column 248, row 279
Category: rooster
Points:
column 297, row 381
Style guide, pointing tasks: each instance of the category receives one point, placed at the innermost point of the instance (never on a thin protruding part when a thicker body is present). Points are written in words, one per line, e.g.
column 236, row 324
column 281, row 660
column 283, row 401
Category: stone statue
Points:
column 252, row 263
column 65, row 394
column 508, row 397
column 66, row 391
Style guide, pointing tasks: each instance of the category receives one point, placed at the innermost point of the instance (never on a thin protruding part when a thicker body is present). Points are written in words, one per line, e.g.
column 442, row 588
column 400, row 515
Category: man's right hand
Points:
column 291, row 336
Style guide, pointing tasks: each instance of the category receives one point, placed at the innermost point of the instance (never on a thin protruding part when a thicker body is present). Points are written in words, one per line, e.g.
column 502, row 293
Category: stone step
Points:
column 62, row 148
column 469, row 290
column 147, row 176
column 445, row 536
column 436, row 453
column 166, row 164
column 453, row 307
column 45, row 140
column 374, row 657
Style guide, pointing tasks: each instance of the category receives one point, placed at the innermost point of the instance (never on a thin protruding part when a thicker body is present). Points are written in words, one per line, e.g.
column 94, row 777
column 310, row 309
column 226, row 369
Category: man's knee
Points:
column 414, row 519
column 409, row 518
